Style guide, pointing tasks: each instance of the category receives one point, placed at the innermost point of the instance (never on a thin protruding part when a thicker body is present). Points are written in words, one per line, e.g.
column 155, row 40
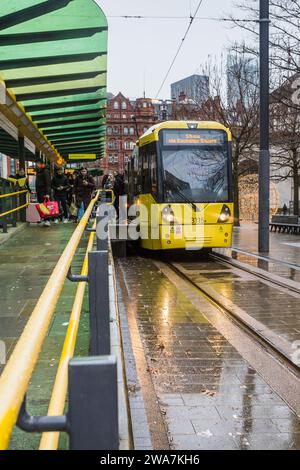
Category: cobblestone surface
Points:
column 209, row 395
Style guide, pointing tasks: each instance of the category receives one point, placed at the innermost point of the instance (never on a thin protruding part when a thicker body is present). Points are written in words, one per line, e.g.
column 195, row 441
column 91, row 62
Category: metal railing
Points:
column 83, row 379
column 10, row 205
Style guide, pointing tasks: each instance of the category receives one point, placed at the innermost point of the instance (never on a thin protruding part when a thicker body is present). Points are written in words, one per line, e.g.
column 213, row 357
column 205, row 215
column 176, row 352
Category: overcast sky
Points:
column 145, row 48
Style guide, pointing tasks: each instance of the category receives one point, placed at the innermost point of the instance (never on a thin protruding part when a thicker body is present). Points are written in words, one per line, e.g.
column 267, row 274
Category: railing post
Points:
column 99, row 303
column 93, row 404
column 102, row 243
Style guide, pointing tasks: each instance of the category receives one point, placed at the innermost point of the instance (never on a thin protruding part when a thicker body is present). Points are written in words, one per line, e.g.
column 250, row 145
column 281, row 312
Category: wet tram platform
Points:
column 27, row 260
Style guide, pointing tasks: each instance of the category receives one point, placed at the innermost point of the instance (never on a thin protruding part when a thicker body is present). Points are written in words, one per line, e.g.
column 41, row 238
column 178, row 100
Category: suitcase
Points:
column 32, row 214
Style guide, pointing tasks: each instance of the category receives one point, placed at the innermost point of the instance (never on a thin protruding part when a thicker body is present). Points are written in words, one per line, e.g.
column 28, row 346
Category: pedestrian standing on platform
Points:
column 43, row 184
column 119, row 190
column 71, row 178
column 104, row 180
column 60, row 185
column 83, row 188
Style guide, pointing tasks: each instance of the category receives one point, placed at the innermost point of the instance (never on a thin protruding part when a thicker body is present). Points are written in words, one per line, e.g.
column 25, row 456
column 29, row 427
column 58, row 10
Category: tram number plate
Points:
column 197, row 221
column 177, row 229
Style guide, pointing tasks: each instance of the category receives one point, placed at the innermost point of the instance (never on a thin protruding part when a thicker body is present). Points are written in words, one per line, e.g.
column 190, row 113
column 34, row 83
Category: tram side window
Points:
column 135, row 173
column 139, row 173
column 153, row 172
column 146, row 174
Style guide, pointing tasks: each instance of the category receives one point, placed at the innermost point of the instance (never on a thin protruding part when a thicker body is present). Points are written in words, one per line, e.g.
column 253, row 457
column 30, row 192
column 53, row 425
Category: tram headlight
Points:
column 225, row 215
column 168, row 215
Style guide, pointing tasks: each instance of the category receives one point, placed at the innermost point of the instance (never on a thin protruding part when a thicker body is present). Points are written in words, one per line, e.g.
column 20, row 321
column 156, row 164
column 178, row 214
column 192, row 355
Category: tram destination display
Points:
column 193, row 137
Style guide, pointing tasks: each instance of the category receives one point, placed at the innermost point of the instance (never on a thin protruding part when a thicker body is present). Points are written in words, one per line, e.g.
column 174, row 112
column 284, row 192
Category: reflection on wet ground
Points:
column 283, row 247
column 273, row 308
column 210, row 397
column 275, row 267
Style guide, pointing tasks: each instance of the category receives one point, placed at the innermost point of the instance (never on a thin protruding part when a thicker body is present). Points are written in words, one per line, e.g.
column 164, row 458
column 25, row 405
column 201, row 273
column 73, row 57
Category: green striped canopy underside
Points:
column 54, row 60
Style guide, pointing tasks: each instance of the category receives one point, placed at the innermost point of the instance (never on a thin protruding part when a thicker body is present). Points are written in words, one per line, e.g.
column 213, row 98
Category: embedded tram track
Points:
column 260, row 273
column 264, row 341
column 264, row 353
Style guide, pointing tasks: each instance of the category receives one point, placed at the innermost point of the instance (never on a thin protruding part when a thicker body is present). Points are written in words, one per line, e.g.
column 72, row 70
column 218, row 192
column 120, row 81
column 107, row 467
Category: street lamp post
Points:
column 264, row 154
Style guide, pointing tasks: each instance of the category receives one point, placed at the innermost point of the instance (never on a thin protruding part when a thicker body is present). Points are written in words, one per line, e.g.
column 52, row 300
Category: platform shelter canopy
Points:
column 53, row 64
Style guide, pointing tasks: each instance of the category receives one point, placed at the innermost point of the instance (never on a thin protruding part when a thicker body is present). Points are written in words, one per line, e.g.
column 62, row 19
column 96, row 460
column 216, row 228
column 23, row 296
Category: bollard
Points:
column 93, row 404
column 99, row 303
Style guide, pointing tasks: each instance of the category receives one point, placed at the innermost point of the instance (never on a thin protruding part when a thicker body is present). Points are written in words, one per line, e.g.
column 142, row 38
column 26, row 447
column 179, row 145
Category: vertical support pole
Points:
column 21, row 155
column 99, row 303
column 21, row 151
column 264, row 154
column 93, row 404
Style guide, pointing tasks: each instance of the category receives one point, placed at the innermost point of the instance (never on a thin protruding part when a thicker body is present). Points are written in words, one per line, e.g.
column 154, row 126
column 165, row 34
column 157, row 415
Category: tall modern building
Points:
column 194, row 88
column 242, row 79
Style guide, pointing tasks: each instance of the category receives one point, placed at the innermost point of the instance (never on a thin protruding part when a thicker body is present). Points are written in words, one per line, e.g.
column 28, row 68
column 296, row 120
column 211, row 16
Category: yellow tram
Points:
column 180, row 176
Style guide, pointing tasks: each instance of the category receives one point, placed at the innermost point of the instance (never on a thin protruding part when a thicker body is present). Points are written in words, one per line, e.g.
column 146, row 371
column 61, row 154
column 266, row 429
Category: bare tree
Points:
column 284, row 32
column 285, row 139
column 285, row 81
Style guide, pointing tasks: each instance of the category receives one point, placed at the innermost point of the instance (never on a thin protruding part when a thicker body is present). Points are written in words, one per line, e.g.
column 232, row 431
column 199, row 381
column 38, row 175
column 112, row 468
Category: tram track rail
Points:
column 258, row 272
column 273, row 363
column 268, row 343
column 269, row 259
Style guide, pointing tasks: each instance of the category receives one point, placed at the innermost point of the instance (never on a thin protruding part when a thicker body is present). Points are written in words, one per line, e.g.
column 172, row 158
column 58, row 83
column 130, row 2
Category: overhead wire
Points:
column 179, row 48
column 145, row 17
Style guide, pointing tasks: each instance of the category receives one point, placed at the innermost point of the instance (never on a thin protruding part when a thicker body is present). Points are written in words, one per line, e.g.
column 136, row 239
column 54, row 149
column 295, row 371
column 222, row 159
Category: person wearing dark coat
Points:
column 119, row 190
column 104, row 180
column 42, row 181
column 83, row 188
column 60, row 185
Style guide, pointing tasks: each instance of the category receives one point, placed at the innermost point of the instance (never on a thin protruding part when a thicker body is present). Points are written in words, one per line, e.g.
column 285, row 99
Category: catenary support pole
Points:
column 21, row 155
column 264, row 154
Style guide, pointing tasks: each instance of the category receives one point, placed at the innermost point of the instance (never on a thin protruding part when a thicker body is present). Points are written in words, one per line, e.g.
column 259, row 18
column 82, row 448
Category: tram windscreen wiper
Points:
column 182, row 195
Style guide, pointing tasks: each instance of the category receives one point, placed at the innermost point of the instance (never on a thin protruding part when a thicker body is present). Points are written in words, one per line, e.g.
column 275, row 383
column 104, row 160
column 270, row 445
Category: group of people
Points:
column 76, row 188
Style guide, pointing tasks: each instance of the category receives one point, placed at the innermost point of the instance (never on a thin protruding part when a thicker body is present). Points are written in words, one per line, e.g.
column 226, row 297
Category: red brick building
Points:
column 126, row 121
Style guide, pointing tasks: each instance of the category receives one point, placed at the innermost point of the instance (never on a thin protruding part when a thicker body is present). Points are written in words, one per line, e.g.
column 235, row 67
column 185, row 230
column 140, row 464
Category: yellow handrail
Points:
column 14, row 210
column 13, row 194
column 112, row 195
column 49, row 440
column 15, row 378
